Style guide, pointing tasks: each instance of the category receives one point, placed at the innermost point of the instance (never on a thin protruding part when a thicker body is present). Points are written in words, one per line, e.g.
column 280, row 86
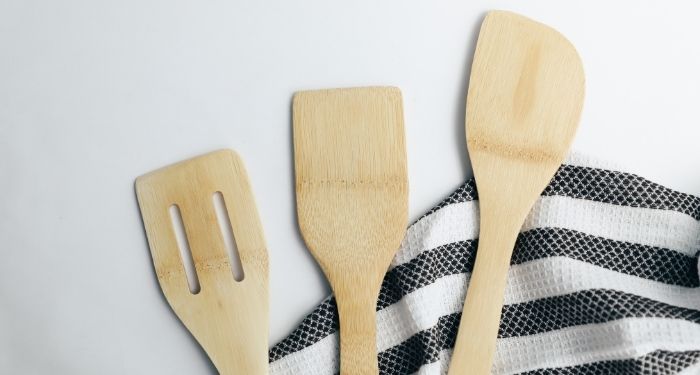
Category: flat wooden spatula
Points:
column 352, row 202
column 228, row 318
column 525, row 97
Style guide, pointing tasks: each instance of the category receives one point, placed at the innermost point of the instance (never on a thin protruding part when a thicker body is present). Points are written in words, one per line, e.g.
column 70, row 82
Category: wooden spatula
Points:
column 228, row 318
column 525, row 98
column 352, row 202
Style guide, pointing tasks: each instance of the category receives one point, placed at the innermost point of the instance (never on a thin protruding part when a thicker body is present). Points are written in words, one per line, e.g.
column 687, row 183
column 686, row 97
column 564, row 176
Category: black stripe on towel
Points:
column 420, row 349
column 591, row 306
column 424, row 269
column 600, row 185
column 653, row 263
column 658, row 362
column 625, row 189
column 320, row 323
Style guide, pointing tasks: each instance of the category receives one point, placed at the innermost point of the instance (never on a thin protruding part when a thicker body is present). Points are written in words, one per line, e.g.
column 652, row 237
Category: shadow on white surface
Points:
column 461, row 110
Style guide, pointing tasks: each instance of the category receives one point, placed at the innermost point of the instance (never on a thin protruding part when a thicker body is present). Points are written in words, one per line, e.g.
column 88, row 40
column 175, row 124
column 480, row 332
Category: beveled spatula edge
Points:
column 301, row 94
column 143, row 179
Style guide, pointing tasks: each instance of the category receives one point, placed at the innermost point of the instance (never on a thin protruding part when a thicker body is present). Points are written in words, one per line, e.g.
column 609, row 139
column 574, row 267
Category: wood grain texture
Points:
column 525, row 98
column 352, row 201
column 228, row 318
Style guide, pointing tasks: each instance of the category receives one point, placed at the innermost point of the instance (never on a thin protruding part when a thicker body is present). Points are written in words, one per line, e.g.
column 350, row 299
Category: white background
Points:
column 95, row 93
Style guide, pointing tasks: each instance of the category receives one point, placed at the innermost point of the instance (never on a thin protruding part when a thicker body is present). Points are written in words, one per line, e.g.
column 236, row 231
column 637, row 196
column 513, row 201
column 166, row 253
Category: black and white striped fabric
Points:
column 604, row 280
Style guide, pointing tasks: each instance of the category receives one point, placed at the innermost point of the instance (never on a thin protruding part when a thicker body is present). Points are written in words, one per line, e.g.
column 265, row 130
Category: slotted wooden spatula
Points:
column 352, row 202
column 525, row 97
column 228, row 318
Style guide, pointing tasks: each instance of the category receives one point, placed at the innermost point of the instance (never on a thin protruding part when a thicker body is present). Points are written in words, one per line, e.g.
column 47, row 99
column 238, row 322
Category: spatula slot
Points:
column 184, row 246
column 227, row 234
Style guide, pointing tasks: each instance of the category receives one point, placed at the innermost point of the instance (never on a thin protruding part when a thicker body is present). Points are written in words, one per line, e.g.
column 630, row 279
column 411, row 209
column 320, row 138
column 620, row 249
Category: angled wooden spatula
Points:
column 525, row 97
column 352, row 202
column 228, row 318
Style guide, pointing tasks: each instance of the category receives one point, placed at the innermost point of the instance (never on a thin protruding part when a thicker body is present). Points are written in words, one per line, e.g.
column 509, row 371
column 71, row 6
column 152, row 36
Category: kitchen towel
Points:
column 603, row 280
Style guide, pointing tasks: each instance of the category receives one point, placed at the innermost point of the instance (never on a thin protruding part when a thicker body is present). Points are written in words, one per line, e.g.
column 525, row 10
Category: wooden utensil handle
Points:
column 358, row 333
column 484, row 301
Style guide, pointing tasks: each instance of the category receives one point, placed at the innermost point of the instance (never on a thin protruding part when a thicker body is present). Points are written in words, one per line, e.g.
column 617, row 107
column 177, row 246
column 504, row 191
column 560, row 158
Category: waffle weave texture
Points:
column 603, row 280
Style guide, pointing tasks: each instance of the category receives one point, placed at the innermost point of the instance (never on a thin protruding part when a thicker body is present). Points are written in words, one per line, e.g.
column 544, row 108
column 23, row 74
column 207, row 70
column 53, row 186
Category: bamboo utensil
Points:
column 525, row 98
column 352, row 202
column 228, row 318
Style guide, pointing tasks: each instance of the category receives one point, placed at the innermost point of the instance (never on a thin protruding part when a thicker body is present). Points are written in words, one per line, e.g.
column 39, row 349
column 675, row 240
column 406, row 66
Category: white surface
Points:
column 95, row 93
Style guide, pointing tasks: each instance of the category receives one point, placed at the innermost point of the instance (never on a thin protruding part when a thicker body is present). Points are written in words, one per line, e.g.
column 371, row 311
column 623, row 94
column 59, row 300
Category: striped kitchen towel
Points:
column 603, row 280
